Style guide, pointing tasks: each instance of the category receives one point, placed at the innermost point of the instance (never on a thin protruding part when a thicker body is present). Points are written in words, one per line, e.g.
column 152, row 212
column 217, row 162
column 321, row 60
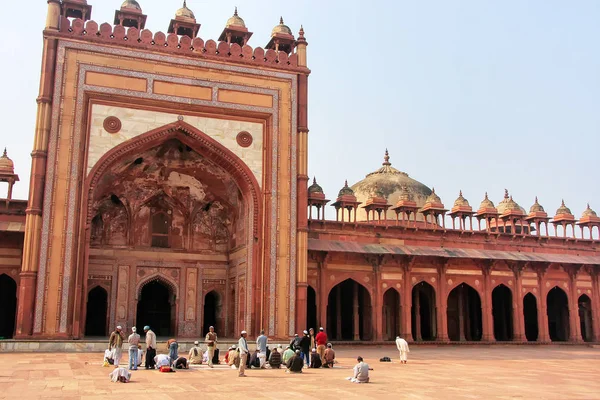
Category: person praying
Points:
column 361, row 372
column 402, row 346
column 329, row 359
column 315, row 359
column 162, row 360
column 287, row 354
column 275, row 359
column 195, row 354
column 295, row 364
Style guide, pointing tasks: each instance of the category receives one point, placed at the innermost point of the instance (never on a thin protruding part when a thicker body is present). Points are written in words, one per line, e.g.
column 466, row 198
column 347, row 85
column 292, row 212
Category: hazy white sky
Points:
column 478, row 95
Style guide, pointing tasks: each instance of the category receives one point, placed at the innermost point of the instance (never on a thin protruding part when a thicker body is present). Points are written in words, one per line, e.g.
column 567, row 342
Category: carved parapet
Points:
column 172, row 43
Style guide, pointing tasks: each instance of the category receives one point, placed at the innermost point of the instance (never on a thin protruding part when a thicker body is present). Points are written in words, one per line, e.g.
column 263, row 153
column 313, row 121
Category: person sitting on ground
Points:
column 287, row 354
column 181, row 363
column 275, row 359
column 233, row 358
column 140, row 355
column 226, row 359
column 280, row 349
column 329, row 357
column 255, row 360
column 361, row 372
column 315, row 359
column 162, row 360
column 295, row 364
column 195, row 354
column 120, row 375
column 268, row 353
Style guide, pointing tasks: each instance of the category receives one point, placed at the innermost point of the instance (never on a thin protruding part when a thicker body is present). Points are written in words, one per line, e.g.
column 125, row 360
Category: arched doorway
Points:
column 502, row 313
column 97, row 310
column 391, row 314
column 558, row 315
column 349, row 313
column 530, row 315
column 423, row 312
column 156, row 308
column 585, row 318
column 8, row 306
column 213, row 306
column 311, row 309
column 464, row 314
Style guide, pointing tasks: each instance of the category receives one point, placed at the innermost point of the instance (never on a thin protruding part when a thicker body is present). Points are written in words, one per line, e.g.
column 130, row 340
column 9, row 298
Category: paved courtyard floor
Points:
column 465, row 372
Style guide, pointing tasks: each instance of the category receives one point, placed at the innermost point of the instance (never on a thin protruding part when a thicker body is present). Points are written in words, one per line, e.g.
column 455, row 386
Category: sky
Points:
column 471, row 95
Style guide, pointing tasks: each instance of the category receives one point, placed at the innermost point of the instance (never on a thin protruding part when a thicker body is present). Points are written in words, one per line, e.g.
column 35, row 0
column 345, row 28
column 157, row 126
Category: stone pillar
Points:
column 338, row 311
column 355, row 313
column 406, row 324
column 517, row 308
column 33, row 221
column 417, row 306
column 323, row 297
column 543, row 331
column 301, row 304
column 595, row 305
column 442, row 301
column 487, row 320
column 574, row 325
column 378, row 305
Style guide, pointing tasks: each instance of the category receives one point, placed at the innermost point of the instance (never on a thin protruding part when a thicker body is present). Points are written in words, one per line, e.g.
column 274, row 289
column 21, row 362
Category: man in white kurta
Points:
column 361, row 372
column 402, row 346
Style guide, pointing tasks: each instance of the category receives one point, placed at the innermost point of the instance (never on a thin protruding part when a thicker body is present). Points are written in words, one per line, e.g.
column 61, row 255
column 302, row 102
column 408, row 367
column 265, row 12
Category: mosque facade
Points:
column 169, row 188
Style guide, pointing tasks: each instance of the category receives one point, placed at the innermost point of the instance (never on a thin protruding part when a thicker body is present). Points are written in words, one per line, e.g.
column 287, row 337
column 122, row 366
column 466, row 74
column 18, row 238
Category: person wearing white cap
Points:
column 211, row 344
column 305, row 347
column 133, row 340
column 195, row 354
column 243, row 346
column 321, row 341
column 115, row 345
column 233, row 357
column 402, row 346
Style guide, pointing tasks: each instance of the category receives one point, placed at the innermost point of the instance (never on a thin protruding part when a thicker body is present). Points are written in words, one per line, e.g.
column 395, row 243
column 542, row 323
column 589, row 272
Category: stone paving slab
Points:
column 445, row 372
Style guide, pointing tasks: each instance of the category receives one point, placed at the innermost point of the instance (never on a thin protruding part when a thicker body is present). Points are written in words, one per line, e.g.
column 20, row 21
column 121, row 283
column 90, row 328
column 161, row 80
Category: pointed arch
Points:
column 558, row 314
column 8, row 306
column 584, row 304
column 530, row 315
column 391, row 314
column 464, row 314
column 349, row 311
column 423, row 312
column 502, row 312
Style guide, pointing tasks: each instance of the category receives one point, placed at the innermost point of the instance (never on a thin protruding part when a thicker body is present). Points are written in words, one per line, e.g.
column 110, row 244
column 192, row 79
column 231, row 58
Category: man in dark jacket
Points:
column 275, row 359
column 305, row 347
column 254, row 360
column 315, row 359
column 295, row 364
column 295, row 343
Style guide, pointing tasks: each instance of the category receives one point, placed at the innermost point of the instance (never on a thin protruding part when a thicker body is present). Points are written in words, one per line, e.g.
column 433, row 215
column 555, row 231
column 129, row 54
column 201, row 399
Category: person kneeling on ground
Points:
column 162, row 360
column 329, row 357
column 295, row 364
column 233, row 358
column 361, row 372
column 315, row 359
column 120, row 375
column 287, row 354
column 255, row 360
column 275, row 359
column 181, row 363
column 195, row 354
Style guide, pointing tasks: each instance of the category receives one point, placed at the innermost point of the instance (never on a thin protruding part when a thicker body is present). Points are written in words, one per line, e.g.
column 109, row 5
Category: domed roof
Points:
column 486, row 203
column 281, row 28
column 508, row 204
column 536, row 207
column 131, row 5
column 236, row 20
column 461, row 201
column 588, row 212
column 185, row 12
column 390, row 182
column 405, row 194
column 346, row 190
column 433, row 198
column 6, row 164
column 563, row 209
column 315, row 188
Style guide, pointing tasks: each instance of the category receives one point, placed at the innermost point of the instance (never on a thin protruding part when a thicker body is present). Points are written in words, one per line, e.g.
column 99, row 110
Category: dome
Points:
column 486, row 203
column 346, row 190
column 433, row 198
column 185, row 12
column 315, row 188
column 508, row 204
column 390, row 182
column 536, row 207
column 6, row 164
column 563, row 209
column 405, row 194
column 236, row 20
column 281, row 28
column 461, row 201
column 588, row 212
column 131, row 5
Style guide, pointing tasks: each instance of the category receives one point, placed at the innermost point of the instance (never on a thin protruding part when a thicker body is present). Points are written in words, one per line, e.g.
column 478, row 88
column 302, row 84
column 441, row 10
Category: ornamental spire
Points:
column 386, row 158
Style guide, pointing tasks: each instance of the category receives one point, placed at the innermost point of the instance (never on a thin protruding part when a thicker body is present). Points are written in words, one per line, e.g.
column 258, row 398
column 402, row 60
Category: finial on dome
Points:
column 536, row 200
column 460, row 193
column 280, row 20
column 6, row 155
column 314, row 179
column 235, row 12
column 301, row 33
column 506, row 193
column 433, row 190
column 562, row 202
column 486, row 196
column 346, row 182
column 588, row 206
column 386, row 158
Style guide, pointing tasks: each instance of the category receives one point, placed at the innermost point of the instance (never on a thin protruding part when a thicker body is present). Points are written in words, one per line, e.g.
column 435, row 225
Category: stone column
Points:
column 543, row 331
column 595, row 304
column 33, row 221
column 487, row 320
column 378, row 304
column 442, row 301
column 406, row 324
column 417, row 306
column 518, row 314
column 574, row 326
column 355, row 314
column 338, row 311
column 323, row 298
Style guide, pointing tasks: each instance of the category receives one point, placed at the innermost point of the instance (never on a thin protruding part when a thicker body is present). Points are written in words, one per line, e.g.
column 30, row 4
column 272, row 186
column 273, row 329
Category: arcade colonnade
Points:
column 530, row 303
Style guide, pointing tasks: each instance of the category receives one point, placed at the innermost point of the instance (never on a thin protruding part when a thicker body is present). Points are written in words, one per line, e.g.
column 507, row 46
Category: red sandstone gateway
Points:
column 169, row 188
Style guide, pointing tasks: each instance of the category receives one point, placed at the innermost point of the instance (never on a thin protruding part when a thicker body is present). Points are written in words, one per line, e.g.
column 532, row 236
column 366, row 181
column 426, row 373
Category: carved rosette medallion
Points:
column 112, row 124
column 244, row 139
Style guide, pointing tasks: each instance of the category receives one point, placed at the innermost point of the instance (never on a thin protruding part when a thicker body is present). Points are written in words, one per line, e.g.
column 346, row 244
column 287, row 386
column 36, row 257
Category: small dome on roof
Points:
column 236, row 20
column 185, row 12
column 131, row 5
column 433, row 198
column 315, row 188
column 588, row 212
column 487, row 203
column 405, row 194
column 346, row 191
column 563, row 209
column 536, row 207
column 6, row 164
column 281, row 28
column 508, row 204
column 461, row 201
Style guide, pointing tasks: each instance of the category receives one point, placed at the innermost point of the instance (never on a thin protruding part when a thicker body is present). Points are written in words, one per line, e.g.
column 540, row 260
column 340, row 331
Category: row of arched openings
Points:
column 155, row 307
column 349, row 313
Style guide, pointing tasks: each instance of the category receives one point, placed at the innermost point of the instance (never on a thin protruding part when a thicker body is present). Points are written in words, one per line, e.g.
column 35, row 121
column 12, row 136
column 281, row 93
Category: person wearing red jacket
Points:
column 321, row 340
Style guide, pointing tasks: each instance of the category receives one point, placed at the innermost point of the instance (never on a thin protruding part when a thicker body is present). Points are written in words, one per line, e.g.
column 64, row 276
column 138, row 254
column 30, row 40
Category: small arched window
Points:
column 161, row 224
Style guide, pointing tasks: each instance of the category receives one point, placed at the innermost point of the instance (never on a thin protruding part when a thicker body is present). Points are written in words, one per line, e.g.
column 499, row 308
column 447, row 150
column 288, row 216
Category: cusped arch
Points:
column 454, row 286
column 196, row 140
column 100, row 285
column 165, row 280
column 421, row 282
column 348, row 277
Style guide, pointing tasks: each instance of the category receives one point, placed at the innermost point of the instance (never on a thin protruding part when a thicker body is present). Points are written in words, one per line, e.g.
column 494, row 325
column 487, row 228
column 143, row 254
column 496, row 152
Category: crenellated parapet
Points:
column 172, row 43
